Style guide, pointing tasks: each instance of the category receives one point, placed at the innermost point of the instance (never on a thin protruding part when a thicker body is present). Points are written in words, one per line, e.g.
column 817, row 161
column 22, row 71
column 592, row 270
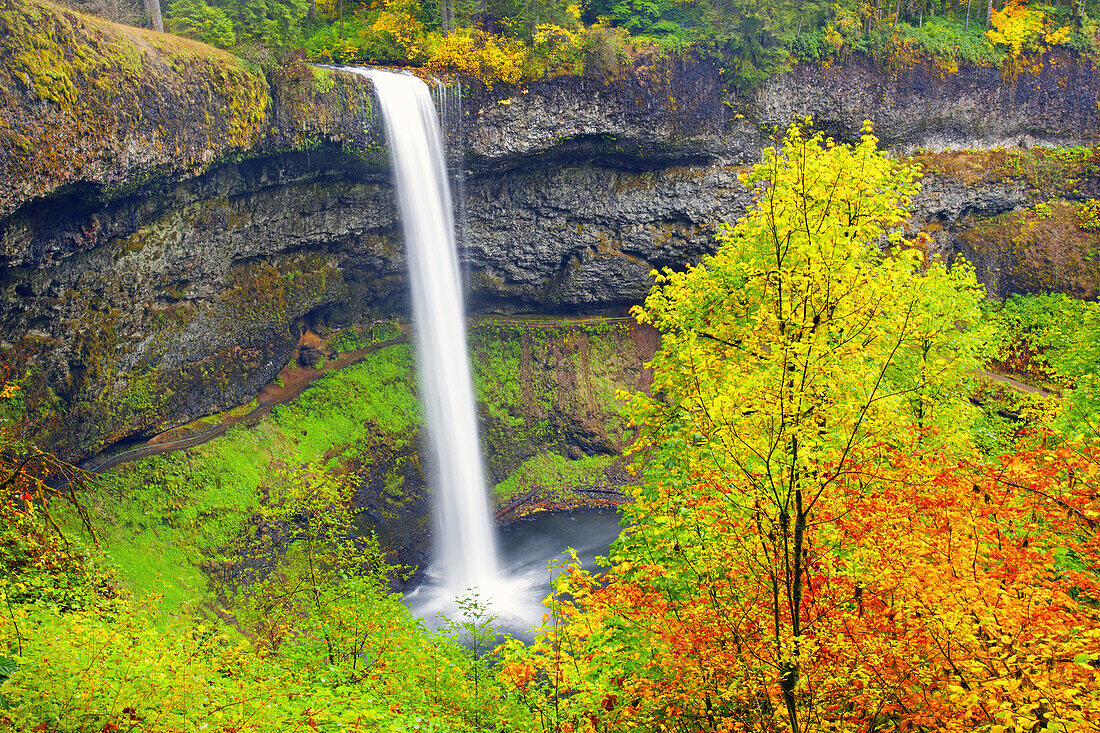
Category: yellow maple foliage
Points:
column 1021, row 28
column 483, row 56
column 399, row 23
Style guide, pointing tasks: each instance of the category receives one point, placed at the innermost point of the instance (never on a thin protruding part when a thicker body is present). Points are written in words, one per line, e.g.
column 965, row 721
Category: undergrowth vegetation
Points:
column 1055, row 339
column 164, row 516
column 315, row 640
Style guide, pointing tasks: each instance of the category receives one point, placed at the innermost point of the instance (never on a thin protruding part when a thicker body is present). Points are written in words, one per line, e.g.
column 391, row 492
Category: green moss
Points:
column 378, row 390
column 1047, row 171
column 359, row 337
column 268, row 292
column 83, row 85
column 557, row 475
column 552, row 386
column 162, row 517
column 324, row 80
column 1039, row 249
column 143, row 396
column 319, row 99
column 244, row 409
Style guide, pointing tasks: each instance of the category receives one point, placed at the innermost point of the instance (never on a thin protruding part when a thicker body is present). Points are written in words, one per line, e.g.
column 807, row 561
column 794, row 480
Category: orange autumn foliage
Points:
column 943, row 595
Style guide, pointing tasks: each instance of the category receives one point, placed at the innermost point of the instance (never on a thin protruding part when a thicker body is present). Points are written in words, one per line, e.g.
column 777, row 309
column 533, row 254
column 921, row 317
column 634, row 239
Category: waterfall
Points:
column 449, row 99
column 464, row 551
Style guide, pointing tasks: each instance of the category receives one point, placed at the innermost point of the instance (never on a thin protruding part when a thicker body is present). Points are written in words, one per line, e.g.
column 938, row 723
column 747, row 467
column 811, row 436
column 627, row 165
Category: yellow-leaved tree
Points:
column 813, row 343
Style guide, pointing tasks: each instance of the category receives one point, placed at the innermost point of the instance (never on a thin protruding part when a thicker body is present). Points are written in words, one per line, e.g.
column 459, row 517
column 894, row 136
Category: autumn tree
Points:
column 812, row 341
column 943, row 595
column 801, row 344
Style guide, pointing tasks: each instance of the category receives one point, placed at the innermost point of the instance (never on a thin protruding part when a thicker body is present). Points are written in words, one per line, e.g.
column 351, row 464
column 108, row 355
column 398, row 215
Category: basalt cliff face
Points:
column 171, row 221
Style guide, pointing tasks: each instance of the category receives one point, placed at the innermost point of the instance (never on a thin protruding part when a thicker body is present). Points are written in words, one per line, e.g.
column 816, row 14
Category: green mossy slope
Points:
column 88, row 100
column 167, row 518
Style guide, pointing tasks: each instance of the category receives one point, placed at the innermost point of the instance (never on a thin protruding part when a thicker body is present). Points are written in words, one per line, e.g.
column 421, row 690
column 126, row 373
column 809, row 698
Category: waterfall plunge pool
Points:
column 528, row 547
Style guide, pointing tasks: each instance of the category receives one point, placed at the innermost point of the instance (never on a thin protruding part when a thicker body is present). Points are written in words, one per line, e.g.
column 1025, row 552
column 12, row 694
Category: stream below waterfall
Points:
column 528, row 548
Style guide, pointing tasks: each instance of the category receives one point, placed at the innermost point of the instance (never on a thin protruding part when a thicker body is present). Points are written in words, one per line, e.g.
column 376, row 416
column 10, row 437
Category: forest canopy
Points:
column 509, row 41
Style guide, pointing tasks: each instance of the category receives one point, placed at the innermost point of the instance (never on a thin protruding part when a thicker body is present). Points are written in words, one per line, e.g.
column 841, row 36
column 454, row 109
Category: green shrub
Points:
column 948, row 41
column 1061, row 336
column 342, row 43
column 274, row 23
column 195, row 19
column 1088, row 215
column 605, row 51
column 812, row 45
column 40, row 567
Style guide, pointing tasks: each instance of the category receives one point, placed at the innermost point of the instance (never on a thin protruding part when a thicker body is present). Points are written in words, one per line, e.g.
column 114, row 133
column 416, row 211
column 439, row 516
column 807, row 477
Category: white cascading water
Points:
column 465, row 548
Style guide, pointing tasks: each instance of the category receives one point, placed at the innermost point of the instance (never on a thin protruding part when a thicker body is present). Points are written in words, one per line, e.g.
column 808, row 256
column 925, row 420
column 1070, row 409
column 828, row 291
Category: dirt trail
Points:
column 292, row 381
column 1015, row 384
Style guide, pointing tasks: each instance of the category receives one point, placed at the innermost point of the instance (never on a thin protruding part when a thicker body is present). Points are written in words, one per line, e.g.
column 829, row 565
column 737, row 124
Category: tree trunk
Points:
column 447, row 16
column 989, row 14
column 152, row 9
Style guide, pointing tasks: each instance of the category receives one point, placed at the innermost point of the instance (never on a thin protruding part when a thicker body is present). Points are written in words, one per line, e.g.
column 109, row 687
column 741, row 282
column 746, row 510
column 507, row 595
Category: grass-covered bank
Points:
column 167, row 516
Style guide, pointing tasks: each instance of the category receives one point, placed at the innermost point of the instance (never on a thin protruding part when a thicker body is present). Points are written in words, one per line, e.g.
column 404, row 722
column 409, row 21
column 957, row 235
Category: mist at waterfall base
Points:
column 530, row 548
column 465, row 562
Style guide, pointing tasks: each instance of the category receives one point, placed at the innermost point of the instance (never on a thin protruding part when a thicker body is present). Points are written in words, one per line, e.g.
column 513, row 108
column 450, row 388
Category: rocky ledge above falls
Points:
column 577, row 187
column 170, row 221
column 681, row 111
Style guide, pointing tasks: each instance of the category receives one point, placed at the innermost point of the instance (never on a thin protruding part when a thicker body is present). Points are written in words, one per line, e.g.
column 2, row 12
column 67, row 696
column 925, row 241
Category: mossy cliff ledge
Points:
column 167, row 216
